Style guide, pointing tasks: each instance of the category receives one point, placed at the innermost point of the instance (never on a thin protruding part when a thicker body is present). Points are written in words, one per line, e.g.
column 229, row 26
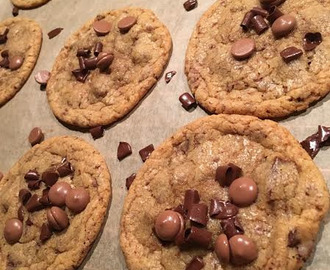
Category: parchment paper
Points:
column 158, row 115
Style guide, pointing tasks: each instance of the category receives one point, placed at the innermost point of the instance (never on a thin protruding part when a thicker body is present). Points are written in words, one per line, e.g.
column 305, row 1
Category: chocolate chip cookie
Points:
column 107, row 66
column 224, row 192
column 28, row 3
column 20, row 43
column 243, row 58
column 52, row 205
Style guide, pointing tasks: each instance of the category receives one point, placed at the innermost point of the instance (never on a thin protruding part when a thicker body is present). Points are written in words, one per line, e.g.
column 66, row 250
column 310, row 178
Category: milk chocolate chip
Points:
column 274, row 13
column 15, row 62
column 101, row 27
column 283, row 25
column 126, row 24
column 104, row 60
column 168, row 224
column 221, row 248
column 243, row 48
column 57, row 218
column 13, row 230
column 243, row 191
column 58, row 192
column 42, row 77
column 77, row 199
column 243, row 250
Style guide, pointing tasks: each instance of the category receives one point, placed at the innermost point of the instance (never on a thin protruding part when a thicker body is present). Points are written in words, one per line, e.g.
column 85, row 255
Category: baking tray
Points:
column 157, row 116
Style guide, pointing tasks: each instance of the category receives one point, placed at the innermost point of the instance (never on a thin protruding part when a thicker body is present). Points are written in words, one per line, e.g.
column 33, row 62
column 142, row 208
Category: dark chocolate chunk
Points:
column 180, row 210
column 222, row 209
column 33, row 204
column 129, row 180
column 54, row 32
column 3, row 37
column 98, row 48
column 20, row 213
column 50, row 177
column 187, row 101
column 15, row 11
column 260, row 11
column 32, row 175
column 169, row 75
column 90, row 63
column 225, row 175
column 231, row 226
column 83, row 52
column 24, row 195
column 198, row 214
column 198, row 237
column 146, row 152
column 293, row 239
column 246, row 22
column 81, row 61
column 4, row 62
column 312, row 144
column 190, row 5
column 15, row 62
column 274, row 13
column 195, row 264
column 291, row 53
column 324, row 133
column 97, row 132
column 259, row 24
column 65, row 169
column 45, row 232
column 36, row 136
column 34, row 184
column 81, row 75
column 28, row 222
column 312, row 40
column 44, row 200
column 124, row 150
column 190, row 197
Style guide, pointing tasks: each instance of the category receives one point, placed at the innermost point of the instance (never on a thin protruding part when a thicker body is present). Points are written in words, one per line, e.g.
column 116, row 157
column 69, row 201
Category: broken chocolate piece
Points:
column 198, row 214
column 190, row 5
column 312, row 40
column 222, row 209
column 24, row 195
column 34, row 184
column 33, row 204
column 124, row 150
column 129, row 180
column 54, row 32
column 293, row 239
column 98, row 48
column 187, row 101
column 146, row 152
column 80, row 74
column 15, row 11
column 291, row 53
column 45, row 232
column 274, row 13
column 195, row 264
column 65, row 169
column 311, row 144
column 225, row 175
column 97, row 132
column 246, row 22
column 32, row 175
column 83, row 52
column 169, row 75
column 259, row 24
column 3, row 37
column 190, row 197
column 198, row 237
column 260, row 11
column 50, row 177
column 231, row 227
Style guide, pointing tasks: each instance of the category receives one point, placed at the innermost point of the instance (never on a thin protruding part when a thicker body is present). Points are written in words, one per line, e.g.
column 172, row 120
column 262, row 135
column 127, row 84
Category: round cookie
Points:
column 28, row 3
column 292, row 194
column 138, row 59
column 263, row 85
column 24, row 40
column 67, row 248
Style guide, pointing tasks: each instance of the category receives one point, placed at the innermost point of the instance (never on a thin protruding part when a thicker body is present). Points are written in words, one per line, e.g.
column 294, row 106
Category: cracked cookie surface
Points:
column 264, row 85
column 292, row 193
column 24, row 39
column 139, row 59
column 66, row 249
